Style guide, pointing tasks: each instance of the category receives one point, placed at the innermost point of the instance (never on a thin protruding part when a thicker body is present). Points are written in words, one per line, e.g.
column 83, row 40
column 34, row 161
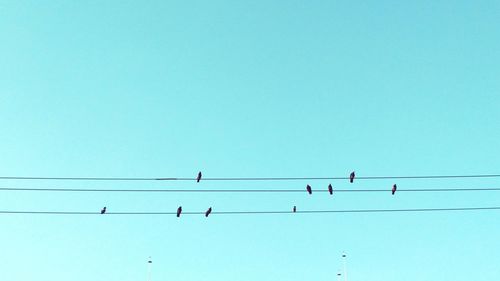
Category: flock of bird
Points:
column 294, row 209
column 330, row 188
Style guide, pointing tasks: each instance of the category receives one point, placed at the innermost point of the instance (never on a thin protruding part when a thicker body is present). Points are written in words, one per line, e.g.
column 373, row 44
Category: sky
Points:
column 249, row 89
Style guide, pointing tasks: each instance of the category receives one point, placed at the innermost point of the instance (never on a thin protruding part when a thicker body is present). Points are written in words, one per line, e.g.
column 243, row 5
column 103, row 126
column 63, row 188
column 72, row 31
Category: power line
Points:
column 247, row 178
column 92, row 178
column 258, row 212
column 357, row 178
column 243, row 190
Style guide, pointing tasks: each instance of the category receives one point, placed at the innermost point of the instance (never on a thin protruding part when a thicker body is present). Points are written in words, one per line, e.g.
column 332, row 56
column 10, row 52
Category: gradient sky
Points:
column 252, row 89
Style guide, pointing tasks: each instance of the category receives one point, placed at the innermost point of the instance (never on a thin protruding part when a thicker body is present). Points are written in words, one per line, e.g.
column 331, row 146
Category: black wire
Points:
column 241, row 190
column 357, row 178
column 91, row 178
column 258, row 212
column 248, row 178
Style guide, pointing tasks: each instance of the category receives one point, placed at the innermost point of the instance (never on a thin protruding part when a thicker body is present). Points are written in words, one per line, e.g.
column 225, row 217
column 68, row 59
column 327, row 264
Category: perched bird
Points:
column 330, row 189
column 351, row 177
column 308, row 187
column 179, row 211
column 294, row 209
column 208, row 212
column 394, row 187
column 103, row 210
column 198, row 178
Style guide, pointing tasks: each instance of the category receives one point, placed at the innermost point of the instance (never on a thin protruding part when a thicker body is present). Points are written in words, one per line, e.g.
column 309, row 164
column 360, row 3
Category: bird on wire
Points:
column 309, row 190
column 103, row 210
column 330, row 189
column 351, row 177
column 394, row 187
column 207, row 213
column 179, row 211
column 198, row 178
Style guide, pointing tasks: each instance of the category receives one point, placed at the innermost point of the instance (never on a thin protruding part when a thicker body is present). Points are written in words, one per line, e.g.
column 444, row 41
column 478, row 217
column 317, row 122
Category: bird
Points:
column 198, row 178
column 179, row 211
column 351, row 177
column 294, row 209
column 330, row 189
column 308, row 187
column 103, row 210
column 208, row 212
column 394, row 187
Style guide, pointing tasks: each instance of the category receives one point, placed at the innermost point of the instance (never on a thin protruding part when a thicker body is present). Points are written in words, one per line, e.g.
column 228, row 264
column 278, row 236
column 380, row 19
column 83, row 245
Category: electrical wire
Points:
column 258, row 212
column 243, row 190
column 247, row 178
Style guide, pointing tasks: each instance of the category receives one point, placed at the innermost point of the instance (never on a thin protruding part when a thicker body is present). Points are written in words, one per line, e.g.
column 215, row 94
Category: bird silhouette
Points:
column 179, row 211
column 351, row 177
column 294, row 209
column 309, row 190
column 198, row 178
column 103, row 210
column 208, row 212
column 330, row 189
column 394, row 187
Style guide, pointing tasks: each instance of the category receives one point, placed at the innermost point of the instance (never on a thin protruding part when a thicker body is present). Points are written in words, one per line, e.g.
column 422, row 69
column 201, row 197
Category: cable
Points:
column 91, row 178
column 258, row 212
column 242, row 190
column 249, row 178
column 357, row 178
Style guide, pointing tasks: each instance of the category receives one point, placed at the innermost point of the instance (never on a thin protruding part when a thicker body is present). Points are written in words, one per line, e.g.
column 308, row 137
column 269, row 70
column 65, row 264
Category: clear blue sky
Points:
column 249, row 88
